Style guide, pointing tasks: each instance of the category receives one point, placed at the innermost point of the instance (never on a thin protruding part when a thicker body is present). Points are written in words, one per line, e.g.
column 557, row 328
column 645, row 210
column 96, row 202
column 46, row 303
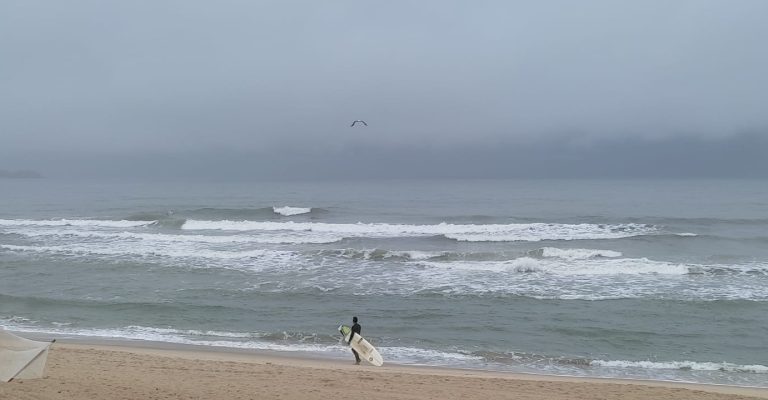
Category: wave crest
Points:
column 76, row 222
column 577, row 254
column 641, row 266
column 682, row 365
column 289, row 211
column 470, row 233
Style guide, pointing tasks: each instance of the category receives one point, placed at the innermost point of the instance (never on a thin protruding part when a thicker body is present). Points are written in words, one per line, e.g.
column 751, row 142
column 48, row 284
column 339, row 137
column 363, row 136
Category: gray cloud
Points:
column 107, row 81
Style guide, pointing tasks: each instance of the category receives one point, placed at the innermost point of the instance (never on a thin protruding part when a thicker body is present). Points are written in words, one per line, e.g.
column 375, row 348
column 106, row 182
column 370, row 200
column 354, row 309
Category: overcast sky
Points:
column 268, row 89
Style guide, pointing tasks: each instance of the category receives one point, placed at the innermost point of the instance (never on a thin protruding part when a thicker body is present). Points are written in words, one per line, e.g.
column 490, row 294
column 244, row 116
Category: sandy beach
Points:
column 82, row 371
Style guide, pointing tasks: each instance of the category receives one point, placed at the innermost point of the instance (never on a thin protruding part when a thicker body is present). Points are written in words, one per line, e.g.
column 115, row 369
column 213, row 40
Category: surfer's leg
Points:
column 357, row 357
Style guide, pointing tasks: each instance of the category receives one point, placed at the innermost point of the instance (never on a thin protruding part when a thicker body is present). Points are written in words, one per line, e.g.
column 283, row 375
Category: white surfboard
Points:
column 366, row 350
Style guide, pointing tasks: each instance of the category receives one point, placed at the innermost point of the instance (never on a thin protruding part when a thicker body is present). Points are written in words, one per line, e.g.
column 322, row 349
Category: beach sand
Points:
column 106, row 372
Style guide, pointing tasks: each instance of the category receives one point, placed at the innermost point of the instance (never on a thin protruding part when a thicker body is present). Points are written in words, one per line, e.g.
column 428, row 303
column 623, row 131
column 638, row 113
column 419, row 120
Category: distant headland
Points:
column 23, row 174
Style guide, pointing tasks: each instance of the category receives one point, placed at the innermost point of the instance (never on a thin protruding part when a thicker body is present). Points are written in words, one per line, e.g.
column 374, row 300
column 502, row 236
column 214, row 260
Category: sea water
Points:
column 651, row 279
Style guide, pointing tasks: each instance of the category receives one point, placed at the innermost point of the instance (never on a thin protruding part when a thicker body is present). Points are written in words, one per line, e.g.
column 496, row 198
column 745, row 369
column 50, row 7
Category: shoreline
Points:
column 333, row 356
column 97, row 366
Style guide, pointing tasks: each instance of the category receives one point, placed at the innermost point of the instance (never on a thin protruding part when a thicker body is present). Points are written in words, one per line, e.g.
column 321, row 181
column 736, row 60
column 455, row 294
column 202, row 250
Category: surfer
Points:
column 355, row 329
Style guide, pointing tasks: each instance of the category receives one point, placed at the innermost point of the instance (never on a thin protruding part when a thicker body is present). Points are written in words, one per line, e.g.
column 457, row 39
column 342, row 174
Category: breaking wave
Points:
column 577, row 254
column 160, row 238
column 682, row 365
column 381, row 254
column 76, row 222
column 289, row 211
column 566, row 266
column 469, row 233
column 149, row 251
column 236, row 214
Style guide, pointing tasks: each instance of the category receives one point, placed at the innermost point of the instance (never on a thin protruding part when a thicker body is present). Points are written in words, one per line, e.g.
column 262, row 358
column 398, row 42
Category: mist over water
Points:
column 662, row 279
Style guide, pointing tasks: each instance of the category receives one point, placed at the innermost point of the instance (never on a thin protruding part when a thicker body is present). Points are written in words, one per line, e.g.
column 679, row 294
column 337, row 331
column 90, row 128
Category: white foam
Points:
column 630, row 266
column 289, row 211
column 248, row 341
column 373, row 254
column 425, row 355
column 128, row 249
column 153, row 331
column 263, row 237
column 297, row 238
column 415, row 254
column 578, row 254
column 682, row 365
column 491, row 232
column 75, row 222
column 538, row 232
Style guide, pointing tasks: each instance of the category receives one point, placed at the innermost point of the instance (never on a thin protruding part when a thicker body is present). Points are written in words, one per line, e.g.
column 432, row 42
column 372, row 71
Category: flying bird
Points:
column 358, row 120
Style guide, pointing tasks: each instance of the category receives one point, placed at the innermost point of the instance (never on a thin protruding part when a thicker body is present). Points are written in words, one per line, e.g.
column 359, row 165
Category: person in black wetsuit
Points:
column 355, row 330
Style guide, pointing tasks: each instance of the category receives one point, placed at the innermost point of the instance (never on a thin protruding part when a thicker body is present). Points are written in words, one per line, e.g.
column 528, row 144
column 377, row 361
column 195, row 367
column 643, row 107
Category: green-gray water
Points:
column 643, row 279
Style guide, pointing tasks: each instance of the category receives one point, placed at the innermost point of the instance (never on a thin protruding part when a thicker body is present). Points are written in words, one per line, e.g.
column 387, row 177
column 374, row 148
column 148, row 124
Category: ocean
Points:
column 646, row 279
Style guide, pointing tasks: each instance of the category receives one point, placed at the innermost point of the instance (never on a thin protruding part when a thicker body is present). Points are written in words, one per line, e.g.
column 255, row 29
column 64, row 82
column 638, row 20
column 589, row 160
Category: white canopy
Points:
column 21, row 358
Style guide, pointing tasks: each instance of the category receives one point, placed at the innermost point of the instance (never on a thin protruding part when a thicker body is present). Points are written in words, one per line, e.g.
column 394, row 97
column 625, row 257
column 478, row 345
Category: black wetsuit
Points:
column 355, row 329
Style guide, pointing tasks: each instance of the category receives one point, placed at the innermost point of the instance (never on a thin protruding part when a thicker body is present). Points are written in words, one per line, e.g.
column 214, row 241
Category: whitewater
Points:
column 636, row 279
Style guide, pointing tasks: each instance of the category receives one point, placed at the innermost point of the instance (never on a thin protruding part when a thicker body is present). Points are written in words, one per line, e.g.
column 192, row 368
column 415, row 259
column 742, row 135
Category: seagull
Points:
column 358, row 120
